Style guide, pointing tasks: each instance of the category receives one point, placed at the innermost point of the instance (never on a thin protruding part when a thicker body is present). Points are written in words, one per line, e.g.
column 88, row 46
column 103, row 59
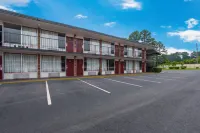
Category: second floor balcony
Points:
column 32, row 42
column 91, row 48
column 108, row 51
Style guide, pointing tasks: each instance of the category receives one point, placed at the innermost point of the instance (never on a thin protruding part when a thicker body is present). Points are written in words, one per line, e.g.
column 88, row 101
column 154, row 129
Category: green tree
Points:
column 134, row 36
column 174, row 63
column 145, row 36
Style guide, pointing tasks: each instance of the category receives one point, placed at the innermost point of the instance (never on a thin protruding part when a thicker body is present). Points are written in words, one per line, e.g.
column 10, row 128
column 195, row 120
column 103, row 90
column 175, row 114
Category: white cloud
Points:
column 166, row 27
column 6, row 8
column 171, row 50
column 14, row 2
column 126, row 4
column 110, row 24
column 7, row 4
column 80, row 16
column 187, row 35
column 191, row 23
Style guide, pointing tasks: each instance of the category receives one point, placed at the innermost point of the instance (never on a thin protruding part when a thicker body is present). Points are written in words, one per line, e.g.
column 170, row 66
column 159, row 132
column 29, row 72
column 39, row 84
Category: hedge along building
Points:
column 36, row 48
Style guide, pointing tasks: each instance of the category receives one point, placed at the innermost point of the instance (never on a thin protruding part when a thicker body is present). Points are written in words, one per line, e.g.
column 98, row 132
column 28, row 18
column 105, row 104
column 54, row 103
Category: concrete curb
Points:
column 66, row 78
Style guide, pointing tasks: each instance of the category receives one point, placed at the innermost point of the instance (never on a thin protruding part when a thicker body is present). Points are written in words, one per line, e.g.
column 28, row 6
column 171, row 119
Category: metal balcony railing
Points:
column 91, row 48
column 52, row 44
column 128, row 53
column 20, row 40
column 138, row 54
column 31, row 42
column 108, row 51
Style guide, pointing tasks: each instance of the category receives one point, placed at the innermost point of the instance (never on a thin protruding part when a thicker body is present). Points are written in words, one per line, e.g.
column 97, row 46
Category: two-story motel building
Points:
column 36, row 48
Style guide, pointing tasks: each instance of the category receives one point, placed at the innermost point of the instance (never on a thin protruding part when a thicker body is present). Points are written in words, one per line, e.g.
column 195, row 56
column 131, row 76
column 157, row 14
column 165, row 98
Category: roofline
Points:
column 69, row 26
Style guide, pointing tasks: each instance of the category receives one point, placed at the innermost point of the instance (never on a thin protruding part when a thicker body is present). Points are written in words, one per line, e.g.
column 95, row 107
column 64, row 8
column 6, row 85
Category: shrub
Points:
column 183, row 67
column 197, row 67
column 171, row 67
column 157, row 69
column 176, row 67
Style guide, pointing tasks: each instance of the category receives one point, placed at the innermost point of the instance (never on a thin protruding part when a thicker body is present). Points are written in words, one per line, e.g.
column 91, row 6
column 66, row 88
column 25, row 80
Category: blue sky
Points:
column 174, row 22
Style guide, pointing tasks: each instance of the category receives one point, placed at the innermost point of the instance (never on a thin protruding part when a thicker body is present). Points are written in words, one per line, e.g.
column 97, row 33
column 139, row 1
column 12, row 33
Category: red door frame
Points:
column 79, row 67
column 70, row 44
column 70, row 67
column 116, row 67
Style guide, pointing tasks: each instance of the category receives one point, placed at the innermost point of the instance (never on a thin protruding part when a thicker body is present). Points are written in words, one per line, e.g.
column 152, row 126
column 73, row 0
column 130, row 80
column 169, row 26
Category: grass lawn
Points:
column 182, row 69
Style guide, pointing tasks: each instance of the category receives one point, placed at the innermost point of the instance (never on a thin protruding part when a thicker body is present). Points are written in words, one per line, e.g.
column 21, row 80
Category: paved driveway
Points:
column 158, row 103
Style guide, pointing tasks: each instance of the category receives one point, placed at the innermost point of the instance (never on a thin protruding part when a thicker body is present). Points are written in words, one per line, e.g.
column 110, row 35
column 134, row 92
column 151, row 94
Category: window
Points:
column 112, row 48
column 61, row 40
column 29, row 63
column 125, row 50
column 16, row 63
column 86, row 44
column 29, row 37
column 52, row 40
column 12, row 33
column 125, row 65
column 85, row 64
column 12, row 63
column 128, row 65
column 63, row 63
column 91, row 64
column 51, row 64
column 94, row 46
column 110, row 65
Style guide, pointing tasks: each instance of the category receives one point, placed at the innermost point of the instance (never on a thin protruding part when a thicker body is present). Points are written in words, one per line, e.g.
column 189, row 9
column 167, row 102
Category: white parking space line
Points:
column 48, row 94
column 142, row 80
column 123, row 82
column 156, row 78
column 172, row 77
column 95, row 86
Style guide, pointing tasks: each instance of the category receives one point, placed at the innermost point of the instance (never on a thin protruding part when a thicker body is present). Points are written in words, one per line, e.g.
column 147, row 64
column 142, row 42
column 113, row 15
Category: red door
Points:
column 70, row 67
column 122, row 67
column 79, row 45
column 79, row 67
column 69, row 44
column 117, row 50
column 1, row 77
column 116, row 67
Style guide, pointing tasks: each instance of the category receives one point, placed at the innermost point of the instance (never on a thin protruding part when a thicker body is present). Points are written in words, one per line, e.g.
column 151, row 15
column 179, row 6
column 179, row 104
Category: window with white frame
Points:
column 19, row 63
column 94, row 47
column 106, row 48
column 52, row 40
column 137, row 65
column 128, row 65
column 108, row 65
column 12, row 34
column 130, row 52
column 86, row 44
column 51, row 64
column 29, row 63
column 91, row 64
column 29, row 37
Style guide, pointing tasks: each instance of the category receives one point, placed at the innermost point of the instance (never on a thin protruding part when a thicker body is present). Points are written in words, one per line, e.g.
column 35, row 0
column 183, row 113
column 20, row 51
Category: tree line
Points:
column 146, row 38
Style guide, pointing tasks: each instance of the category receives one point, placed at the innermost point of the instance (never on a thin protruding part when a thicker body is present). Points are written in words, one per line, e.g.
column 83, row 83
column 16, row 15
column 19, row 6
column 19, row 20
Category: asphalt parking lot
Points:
column 168, row 102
